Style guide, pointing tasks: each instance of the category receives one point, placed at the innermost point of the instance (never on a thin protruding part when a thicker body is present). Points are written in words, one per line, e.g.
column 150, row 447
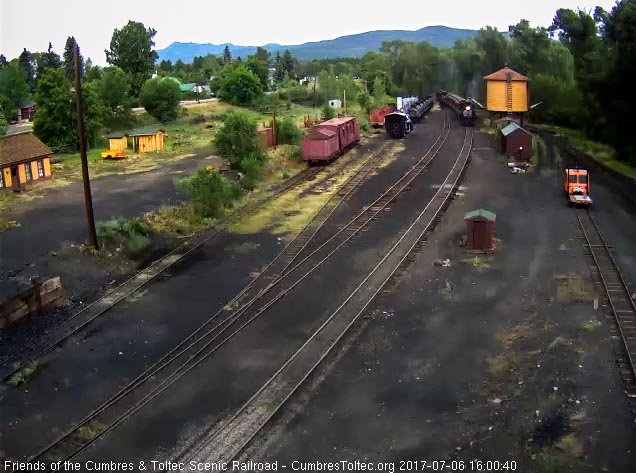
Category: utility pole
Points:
column 345, row 102
column 88, row 200
column 274, row 119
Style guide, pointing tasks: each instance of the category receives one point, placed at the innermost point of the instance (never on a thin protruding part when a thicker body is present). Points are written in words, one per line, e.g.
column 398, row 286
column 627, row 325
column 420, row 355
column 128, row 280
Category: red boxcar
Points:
column 348, row 131
column 344, row 131
column 376, row 117
column 320, row 145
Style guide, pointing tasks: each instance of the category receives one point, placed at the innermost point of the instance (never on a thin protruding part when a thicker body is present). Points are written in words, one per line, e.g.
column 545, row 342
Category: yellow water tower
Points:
column 507, row 94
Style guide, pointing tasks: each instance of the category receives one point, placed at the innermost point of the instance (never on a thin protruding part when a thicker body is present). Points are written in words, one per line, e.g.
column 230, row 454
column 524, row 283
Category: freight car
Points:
column 398, row 124
column 376, row 117
column 463, row 108
column 420, row 108
column 331, row 139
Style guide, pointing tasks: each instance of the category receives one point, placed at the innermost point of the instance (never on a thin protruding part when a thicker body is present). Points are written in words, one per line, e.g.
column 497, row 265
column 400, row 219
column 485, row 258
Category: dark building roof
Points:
column 21, row 147
column 502, row 74
column 117, row 134
column 27, row 103
column 145, row 131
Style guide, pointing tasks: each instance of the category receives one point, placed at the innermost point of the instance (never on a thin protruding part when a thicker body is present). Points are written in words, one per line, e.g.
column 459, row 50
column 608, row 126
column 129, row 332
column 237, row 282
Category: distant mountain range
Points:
column 355, row 45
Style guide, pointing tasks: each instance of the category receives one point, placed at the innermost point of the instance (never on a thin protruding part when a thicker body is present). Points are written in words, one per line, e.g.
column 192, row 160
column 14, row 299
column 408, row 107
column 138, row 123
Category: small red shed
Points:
column 516, row 142
column 480, row 230
column 266, row 137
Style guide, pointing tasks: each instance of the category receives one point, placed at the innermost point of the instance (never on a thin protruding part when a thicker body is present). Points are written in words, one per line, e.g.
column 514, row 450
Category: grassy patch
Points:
column 130, row 235
column 6, row 224
column 177, row 220
column 572, row 287
column 600, row 152
column 290, row 212
column 478, row 262
column 591, row 325
column 89, row 431
column 25, row 374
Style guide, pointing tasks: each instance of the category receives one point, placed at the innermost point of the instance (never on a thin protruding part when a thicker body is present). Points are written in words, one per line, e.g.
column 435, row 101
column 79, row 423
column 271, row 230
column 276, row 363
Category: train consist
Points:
column 399, row 123
column 463, row 108
column 331, row 139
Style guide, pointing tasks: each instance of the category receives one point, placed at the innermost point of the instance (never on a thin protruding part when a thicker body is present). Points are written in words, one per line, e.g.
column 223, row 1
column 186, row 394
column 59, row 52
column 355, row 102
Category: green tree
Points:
column 328, row 85
column 379, row 90
column 495, row 47
column 160, row 98
column 279, row 74
column 47, row 60
column 287, row 63
column 3, row 125
column 69, row 59
column 262, row 54
column 239, row 86
column 227, row 56
column 91, row 72
column 618, row 91
column 287, row 133
column 236, row 140
column 56, row 123
column 131, row 49
column 96, row 113
column 13, row 88
column 165, row 66
column 259, row 68
column 364, row 99
column 114, row 88
column 25, row 60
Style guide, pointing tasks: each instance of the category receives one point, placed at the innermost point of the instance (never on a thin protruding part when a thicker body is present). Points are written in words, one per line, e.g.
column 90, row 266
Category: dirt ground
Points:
column 50, row 224
column 499, row 357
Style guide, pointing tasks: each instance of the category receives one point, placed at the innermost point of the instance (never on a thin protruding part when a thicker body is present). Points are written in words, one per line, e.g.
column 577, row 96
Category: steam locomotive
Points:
column 463, row 108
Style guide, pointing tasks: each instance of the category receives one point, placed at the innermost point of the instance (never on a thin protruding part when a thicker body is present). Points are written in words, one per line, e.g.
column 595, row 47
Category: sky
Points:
column 32, row 24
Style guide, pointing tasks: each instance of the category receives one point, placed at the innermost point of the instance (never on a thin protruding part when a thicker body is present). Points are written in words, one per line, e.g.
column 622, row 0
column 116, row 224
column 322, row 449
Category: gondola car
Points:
column 398, row 124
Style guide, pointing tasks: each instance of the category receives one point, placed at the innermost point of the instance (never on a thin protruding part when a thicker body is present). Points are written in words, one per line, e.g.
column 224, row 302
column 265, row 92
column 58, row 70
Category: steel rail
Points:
column 141, row 278
column 186, row 366
column 331, row 206
column 252, row 407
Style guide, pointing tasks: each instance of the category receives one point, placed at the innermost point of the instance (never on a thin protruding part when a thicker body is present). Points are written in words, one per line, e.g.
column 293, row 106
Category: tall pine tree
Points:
column 69, row 57
column 278, row 64
column 227, row 56
column 288, row 63
column 26, row 64
column 48, row 60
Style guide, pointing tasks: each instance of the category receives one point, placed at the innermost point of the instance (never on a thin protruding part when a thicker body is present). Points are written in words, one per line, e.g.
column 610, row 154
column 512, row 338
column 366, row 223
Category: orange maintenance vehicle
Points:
column 576, row 184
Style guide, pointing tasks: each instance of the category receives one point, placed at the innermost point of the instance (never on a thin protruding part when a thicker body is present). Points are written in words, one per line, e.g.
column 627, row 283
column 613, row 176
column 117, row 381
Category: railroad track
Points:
column 201, row 343
column 228, row 441
column 82, row 318
column 618, row 299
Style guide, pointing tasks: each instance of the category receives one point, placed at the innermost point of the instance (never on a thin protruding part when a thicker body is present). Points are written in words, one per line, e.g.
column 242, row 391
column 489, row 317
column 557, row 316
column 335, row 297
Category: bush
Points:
column 287, row 133
column 236, row 139
column 131, row 234
column 364, row 125
column 328, row 112
column 250, row 167
column 210, row 191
